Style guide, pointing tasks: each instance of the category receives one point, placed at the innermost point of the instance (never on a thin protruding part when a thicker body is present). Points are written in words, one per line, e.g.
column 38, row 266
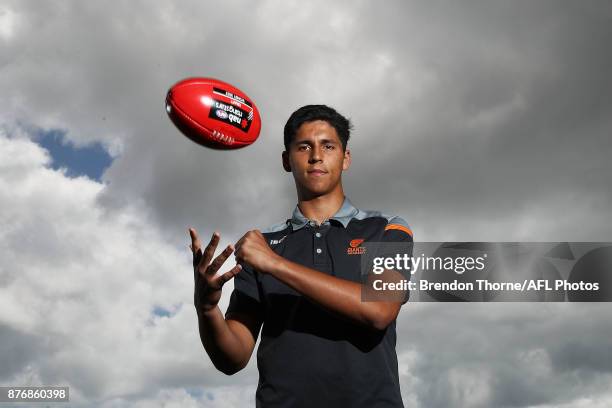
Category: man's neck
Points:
column 322, row 207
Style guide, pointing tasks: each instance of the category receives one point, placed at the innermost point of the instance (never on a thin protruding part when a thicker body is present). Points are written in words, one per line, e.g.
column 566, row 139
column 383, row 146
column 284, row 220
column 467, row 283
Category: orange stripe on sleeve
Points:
column 398, row 227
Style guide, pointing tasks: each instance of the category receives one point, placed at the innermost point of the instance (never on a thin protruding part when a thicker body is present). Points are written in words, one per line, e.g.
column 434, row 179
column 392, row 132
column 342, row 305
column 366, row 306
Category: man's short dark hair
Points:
column 310, row 113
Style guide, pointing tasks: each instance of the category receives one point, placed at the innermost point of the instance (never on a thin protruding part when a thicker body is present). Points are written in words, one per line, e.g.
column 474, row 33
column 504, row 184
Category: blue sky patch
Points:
column 196, row 393
column 160, row 311
column 90, row 161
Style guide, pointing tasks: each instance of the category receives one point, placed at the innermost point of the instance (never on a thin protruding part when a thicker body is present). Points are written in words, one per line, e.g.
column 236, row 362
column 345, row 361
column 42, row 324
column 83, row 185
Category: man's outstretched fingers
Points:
column 210, row 249
column 219, row 260
column 195, row 246
column 221, row 280
column 195, row 240
column 197, row 256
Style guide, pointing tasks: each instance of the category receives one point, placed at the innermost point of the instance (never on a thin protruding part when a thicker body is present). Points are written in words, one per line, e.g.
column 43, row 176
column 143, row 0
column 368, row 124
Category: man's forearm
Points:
column 225, row 349
column 337, row 295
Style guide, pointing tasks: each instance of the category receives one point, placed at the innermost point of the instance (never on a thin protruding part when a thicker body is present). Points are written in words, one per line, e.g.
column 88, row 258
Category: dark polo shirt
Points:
column 309, row 356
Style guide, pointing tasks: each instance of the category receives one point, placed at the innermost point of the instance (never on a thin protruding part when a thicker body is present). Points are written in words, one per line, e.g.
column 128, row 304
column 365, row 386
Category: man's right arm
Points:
column 229, row 341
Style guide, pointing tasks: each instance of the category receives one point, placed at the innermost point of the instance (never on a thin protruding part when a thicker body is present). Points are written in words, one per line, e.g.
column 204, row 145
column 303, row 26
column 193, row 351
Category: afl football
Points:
column 213, row 113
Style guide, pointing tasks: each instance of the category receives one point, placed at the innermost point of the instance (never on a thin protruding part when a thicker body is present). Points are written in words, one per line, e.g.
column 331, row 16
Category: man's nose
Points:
column 315, row 155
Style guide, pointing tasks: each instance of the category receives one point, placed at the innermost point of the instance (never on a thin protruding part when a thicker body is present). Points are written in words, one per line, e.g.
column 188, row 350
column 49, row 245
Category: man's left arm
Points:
column 338, row 295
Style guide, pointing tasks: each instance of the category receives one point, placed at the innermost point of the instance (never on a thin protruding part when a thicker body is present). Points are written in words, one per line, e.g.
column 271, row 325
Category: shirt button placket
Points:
column 317, row 247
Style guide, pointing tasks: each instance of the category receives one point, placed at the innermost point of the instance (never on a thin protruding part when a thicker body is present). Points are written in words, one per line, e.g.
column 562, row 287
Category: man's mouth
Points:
column 317, row 172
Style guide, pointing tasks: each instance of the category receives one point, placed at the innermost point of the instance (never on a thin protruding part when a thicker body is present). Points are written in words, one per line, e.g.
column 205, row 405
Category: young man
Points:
column 321, row 345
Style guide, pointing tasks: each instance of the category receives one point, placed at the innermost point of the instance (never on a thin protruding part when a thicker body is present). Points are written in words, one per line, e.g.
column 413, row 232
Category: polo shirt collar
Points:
column 344, row 215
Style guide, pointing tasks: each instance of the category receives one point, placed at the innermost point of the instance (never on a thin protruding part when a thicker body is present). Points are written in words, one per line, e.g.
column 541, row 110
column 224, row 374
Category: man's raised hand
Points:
column 207, row 285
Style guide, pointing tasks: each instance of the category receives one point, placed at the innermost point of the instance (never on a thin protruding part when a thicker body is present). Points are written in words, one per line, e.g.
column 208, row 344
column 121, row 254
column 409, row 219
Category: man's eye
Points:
column 329, row 147
column 302, row 147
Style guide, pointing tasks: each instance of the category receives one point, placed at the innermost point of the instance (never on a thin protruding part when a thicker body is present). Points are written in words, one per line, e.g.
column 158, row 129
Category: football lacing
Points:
column 222, row 138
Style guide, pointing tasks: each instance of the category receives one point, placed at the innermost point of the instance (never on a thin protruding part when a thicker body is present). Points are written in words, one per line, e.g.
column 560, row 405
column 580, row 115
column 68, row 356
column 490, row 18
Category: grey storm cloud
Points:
column 505, row 354
column 17, row 349
column 479, row 113
column 477, row 120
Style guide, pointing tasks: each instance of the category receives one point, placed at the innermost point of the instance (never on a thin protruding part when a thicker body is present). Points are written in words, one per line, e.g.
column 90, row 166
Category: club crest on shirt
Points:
column 355, row 248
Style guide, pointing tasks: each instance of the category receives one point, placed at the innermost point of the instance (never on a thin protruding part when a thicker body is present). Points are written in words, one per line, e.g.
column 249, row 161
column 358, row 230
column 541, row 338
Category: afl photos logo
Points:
column 355, row 248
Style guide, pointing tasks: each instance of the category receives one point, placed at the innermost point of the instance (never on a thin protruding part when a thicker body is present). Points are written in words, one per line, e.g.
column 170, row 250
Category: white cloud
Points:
column 83, row 283
column 8, row 21
column 215, row 397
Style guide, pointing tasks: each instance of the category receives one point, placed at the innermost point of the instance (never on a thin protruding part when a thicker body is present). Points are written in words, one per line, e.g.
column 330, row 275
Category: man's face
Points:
column 316, row 158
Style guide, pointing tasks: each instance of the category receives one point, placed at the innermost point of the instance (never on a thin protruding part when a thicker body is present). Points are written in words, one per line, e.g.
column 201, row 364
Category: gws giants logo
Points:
column 354, row 248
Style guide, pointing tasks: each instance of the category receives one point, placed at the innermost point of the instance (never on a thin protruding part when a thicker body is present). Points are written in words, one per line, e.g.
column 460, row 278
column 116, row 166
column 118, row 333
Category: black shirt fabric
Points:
column 309, row 356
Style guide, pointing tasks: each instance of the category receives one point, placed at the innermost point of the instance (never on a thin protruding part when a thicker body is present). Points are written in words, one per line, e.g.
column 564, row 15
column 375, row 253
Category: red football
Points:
column 213, row 113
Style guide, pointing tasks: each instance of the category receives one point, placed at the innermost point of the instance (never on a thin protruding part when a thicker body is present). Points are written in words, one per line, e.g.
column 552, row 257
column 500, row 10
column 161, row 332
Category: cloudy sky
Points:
column 476, row 120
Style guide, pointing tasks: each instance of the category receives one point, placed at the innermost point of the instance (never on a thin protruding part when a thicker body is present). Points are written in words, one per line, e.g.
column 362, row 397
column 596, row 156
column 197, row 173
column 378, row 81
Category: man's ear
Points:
column 286, row 164
column 346, row 162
